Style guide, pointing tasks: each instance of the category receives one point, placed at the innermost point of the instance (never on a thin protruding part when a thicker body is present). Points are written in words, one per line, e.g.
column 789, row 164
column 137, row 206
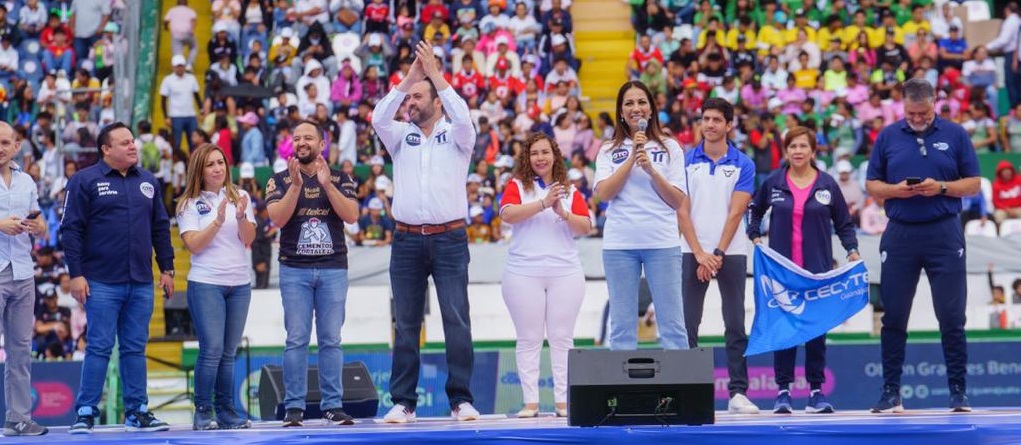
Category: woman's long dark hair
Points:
column 622, row 130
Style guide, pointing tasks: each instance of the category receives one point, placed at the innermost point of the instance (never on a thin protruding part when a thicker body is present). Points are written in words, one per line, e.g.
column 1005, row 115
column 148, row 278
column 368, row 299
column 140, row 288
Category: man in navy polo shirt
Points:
column 113, row 219
column 922, row 166
column 721, row 180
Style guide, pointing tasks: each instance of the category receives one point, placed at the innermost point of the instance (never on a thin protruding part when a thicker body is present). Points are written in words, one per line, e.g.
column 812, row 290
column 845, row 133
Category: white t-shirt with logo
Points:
column 224, row 261
column 180, row 91
column 637, row 218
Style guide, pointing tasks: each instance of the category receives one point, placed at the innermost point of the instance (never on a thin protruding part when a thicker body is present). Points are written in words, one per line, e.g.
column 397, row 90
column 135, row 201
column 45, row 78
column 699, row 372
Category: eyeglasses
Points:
column 921, row 147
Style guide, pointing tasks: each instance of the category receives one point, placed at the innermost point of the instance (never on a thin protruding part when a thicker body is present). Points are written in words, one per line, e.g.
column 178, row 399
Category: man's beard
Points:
column 423, row 116
column 307, row 159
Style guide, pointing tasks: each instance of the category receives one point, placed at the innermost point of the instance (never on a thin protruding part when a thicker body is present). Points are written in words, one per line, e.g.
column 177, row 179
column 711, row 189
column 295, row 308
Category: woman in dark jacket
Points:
column 807, row 206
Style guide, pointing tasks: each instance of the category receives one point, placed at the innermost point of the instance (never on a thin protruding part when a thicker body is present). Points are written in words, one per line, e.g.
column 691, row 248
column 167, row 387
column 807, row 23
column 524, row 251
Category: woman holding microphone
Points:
column 543, row 283
column 217, row 225
column 807, row 207
column 640, row 173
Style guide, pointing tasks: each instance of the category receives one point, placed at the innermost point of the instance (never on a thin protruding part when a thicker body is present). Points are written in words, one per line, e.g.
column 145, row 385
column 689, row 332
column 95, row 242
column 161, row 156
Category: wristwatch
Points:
column 169, row 273
column 718, row 252
column 943, row 188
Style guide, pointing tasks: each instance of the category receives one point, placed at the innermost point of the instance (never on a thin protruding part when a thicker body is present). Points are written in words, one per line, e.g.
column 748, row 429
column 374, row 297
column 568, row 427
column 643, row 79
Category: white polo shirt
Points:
column 224, row 261
column 711, row 186
column 179, row 91
column 543, row 245
column 637, row 218
column 429, row 173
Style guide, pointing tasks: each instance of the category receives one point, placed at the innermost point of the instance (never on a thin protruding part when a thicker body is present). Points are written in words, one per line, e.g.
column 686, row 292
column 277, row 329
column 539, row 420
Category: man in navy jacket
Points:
column 113, row 219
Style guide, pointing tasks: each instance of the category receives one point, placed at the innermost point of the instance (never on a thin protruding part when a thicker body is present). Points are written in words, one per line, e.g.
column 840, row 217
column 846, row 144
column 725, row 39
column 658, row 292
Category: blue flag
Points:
column 793, row 306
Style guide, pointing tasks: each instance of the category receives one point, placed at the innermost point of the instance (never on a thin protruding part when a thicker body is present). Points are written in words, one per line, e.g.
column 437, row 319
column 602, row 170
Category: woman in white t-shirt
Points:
column 641, row 175
column 217, row 225
column 543, row 282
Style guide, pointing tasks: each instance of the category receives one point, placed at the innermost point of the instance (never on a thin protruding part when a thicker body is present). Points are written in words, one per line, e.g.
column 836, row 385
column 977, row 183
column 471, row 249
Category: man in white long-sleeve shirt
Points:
column 1007, row 42
column 431, row 156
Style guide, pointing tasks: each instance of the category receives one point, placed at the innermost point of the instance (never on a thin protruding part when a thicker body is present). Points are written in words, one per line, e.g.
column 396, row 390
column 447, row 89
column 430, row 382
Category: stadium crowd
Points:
column 832, row 66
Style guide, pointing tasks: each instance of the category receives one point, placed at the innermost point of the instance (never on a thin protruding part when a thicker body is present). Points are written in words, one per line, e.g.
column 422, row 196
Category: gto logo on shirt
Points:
column 147, row 189
column 619, row 155
column 413, row 139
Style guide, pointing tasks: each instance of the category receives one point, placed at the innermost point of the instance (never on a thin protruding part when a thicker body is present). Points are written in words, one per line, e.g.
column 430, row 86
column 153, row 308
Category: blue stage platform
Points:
column 917, row 427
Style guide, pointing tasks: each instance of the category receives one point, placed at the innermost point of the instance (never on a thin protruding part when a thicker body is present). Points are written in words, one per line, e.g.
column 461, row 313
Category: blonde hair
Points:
column 193, row 180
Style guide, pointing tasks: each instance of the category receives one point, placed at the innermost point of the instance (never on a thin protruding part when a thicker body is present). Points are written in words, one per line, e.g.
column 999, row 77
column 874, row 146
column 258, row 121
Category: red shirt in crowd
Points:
column 377, row 12
column 506, row 85
column 1006, row 192
column 429, row 10
column 641, row 57
column 469, row 83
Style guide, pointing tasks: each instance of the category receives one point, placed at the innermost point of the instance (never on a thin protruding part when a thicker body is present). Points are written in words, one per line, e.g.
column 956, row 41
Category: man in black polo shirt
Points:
column 310, row 203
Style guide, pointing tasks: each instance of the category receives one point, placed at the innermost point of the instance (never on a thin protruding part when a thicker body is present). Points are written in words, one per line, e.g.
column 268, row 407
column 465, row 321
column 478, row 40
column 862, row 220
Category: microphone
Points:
column 643, row 124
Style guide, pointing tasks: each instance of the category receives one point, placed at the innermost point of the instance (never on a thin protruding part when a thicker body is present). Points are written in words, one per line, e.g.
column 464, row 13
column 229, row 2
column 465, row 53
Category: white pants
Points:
column 543, row 305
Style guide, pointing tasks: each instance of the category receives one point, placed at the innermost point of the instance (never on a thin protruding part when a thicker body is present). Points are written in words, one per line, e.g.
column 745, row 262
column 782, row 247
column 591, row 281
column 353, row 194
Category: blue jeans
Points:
column 322, row 292
column 663, row 272
column 219, row 314
column 186, row 125
column 118, row 311
column 1013, row 81
column 413, row 258
column 82, row 46
column 62, row 63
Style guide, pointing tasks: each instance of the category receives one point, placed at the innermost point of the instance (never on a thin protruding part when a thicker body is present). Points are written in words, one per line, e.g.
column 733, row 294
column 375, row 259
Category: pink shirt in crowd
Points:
column 797, row 237
column 180, row 18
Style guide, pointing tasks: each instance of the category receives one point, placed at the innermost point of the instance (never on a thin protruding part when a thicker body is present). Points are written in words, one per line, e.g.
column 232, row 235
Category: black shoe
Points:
column 889, row 402
column 959, row 401
column 229, row 419
column 338, row 417
column 293, row 417
column 144, row 421
column 84, row 422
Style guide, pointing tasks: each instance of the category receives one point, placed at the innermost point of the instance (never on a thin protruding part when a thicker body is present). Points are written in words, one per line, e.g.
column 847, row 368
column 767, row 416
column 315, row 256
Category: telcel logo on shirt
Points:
column 413, row 139
column 202, row 207
column 941, row 146
column 619, row 155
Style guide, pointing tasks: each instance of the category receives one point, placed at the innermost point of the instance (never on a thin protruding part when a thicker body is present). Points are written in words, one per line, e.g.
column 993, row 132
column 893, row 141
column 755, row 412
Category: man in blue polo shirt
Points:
column 721, row 180
column 922, row 166
column 113, row 219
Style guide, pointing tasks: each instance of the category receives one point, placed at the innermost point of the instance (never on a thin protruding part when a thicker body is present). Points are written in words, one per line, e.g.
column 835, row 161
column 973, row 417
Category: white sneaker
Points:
column 739, row 404
column 399, row 414
column 465, row 411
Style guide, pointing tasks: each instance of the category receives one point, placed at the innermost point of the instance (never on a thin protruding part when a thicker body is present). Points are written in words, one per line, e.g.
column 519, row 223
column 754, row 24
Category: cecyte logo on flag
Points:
column 783, row 299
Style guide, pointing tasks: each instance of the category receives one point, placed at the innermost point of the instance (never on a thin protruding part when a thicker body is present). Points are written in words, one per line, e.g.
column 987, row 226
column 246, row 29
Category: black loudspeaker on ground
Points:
column 644, row 387
column 360, row 397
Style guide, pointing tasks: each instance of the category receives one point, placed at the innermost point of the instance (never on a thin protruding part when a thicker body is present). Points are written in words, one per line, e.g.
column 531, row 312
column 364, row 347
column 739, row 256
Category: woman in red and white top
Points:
column 543, row 282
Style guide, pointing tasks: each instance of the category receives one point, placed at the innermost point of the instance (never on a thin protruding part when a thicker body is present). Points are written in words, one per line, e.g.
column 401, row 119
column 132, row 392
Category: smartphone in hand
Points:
column 913, row 180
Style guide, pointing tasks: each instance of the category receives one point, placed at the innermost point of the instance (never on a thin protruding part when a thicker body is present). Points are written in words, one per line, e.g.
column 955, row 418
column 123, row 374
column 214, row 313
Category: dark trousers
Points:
column 1012, row 79
column 731, row 281
column 413, row 257
column 938, row 248
column 815, row 364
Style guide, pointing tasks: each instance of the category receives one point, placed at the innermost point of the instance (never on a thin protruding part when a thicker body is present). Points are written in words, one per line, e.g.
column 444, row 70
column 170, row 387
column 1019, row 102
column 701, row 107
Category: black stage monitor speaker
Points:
column 644, row 387
column 360, row 397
